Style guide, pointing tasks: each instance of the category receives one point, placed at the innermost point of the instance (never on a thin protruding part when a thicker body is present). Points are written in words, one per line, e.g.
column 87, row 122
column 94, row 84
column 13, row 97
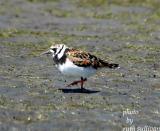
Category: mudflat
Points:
column 33, row 95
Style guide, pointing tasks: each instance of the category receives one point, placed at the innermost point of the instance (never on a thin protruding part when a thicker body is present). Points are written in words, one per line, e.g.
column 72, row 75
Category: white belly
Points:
column 70, row 69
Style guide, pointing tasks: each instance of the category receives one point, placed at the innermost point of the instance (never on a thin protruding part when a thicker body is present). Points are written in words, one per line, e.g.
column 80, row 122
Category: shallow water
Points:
column 33, row 95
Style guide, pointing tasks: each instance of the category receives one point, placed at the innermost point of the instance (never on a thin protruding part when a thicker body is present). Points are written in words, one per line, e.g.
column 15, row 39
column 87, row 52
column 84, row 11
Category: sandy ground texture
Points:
column 33, row 95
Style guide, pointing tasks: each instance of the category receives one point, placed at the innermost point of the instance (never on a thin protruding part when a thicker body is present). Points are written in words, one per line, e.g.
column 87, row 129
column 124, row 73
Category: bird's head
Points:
column 56, row 50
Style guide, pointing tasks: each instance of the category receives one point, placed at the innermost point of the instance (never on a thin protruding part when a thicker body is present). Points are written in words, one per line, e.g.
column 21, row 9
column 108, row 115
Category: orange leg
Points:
column 76, row 82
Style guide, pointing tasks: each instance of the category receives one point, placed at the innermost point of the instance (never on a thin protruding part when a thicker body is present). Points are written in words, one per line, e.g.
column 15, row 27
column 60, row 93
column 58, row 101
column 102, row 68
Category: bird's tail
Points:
column 109, row 65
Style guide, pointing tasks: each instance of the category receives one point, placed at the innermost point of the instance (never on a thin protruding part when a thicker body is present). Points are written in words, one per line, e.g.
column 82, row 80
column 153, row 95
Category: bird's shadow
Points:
column 78, row 90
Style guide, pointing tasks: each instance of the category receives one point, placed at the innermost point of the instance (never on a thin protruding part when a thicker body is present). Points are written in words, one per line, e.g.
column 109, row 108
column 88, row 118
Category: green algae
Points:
column 43, row 0
column 149, row 47
column 13, row 32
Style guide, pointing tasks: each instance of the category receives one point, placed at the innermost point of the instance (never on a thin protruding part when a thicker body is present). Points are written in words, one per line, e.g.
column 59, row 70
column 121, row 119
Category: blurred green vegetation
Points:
column 42, row 0
column 97, row 3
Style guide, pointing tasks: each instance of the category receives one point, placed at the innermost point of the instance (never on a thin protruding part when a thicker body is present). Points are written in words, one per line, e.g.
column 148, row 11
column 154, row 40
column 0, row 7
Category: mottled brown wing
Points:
column 83, row 59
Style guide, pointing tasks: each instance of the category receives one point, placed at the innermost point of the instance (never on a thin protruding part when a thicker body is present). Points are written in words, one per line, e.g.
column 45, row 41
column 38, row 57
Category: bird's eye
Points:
column 54, row 49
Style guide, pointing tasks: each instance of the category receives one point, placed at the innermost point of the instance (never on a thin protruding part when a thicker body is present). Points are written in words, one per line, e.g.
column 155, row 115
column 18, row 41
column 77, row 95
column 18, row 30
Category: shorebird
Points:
column 76, row 63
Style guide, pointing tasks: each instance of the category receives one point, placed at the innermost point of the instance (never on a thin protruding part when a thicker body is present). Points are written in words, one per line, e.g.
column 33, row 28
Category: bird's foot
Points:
column 83, row 89
column 76, row 82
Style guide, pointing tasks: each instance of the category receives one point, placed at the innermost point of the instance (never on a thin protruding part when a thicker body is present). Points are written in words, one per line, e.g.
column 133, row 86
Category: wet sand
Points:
column 33, row 95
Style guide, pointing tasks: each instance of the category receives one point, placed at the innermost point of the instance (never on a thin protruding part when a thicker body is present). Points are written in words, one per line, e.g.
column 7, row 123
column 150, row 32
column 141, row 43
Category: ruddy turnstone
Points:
column 76, row 63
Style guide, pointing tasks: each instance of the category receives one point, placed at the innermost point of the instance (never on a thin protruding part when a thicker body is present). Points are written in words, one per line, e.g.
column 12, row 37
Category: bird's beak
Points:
column 46, row 52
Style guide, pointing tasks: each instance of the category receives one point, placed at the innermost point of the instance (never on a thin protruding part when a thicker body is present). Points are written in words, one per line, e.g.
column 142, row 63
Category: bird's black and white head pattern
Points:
column 58, row 51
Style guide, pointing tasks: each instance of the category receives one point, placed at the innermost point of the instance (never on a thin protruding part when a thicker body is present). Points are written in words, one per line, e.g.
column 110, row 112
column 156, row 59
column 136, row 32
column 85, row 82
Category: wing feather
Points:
column 81, row 58
column 84, row 59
